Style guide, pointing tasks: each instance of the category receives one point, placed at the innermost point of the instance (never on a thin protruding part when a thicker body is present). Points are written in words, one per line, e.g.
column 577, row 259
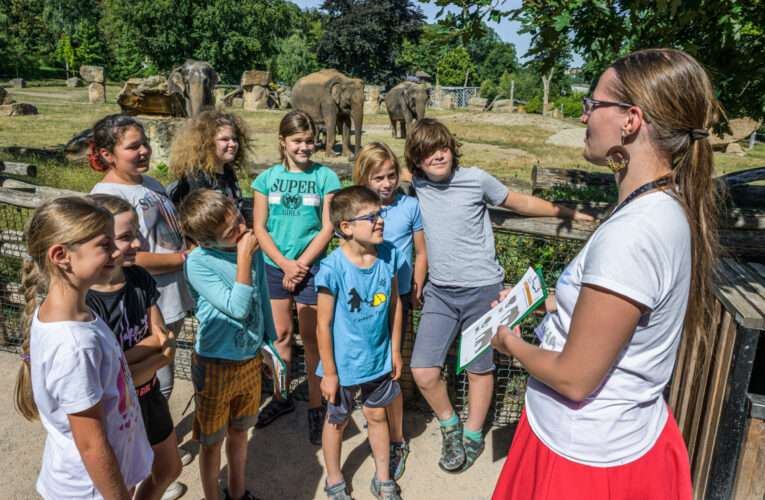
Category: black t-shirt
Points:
column 126, row 310
column 224, row 183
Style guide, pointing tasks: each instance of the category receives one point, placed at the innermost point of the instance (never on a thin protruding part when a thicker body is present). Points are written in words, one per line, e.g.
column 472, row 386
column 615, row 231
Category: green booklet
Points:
column 526, row 295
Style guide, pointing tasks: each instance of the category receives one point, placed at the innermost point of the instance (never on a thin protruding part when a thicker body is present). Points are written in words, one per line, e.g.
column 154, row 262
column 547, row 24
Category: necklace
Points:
column 642, row 189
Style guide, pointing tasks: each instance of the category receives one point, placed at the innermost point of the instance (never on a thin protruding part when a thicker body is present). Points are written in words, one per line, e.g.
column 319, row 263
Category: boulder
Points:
column 556, row 113
column 284, row 100
column 147, row 101
column 372, row 99
column 17, row 109
column 96, row 93
column 734, row 149
column 155, row 80
column 741, row 128
column 237, row 102
column 218, row 94
column 261, row 78
column 78, row 147
column 447, row 101
column 93, row 74
column 160, row 131
column 255, row 98
column 17, row 83
column 570, row 137
column 477, row 103
column 521, row 109
column 502, row 106
column 74, row 81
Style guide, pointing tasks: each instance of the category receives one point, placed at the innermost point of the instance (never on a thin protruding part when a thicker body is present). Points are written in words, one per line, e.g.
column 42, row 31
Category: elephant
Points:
column 406, row 102
column 332, row 99
column 195, row 80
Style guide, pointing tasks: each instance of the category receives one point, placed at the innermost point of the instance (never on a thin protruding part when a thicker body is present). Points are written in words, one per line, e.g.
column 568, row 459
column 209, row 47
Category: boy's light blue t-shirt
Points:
column 402, row 219
column 360, row 334
column 295, row 201
column 234, row 318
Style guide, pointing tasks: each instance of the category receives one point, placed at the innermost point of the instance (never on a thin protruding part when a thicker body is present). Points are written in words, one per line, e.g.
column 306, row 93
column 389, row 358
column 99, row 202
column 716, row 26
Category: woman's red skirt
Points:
column 532, row 471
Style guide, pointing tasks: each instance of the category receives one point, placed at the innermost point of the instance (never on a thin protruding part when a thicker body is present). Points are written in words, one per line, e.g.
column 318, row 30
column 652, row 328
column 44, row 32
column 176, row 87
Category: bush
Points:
column 572, row 105
column 488, row 90
column 534, row 105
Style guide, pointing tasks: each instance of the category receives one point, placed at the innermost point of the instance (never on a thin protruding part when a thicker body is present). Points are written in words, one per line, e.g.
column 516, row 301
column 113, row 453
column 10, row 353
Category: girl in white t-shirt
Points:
column 595, row 424
column 74, row 376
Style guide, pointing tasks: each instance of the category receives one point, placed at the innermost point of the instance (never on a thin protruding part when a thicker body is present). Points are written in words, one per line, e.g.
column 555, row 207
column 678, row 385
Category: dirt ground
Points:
column 282, row 463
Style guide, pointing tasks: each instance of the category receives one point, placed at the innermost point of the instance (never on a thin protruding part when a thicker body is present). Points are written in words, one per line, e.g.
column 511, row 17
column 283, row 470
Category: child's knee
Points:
column 426, row 377
column 335, row 428
column 374, row 415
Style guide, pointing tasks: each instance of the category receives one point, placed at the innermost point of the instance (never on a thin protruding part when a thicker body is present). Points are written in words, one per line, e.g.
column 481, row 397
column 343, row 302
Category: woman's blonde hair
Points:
column 193, row 147
column 66, row 221
column 675, row 93
column 371, row 157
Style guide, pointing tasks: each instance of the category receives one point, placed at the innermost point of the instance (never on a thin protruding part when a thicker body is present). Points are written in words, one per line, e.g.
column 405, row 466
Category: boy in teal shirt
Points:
column 227, row 280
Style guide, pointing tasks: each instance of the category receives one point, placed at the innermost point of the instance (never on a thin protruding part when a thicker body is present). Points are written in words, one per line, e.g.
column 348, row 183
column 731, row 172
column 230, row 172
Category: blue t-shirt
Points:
column 402, row 219
column 360, row 334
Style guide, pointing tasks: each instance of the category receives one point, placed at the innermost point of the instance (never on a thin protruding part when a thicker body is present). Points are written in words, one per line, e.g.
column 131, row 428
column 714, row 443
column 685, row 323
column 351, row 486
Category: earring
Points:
column 617, row 157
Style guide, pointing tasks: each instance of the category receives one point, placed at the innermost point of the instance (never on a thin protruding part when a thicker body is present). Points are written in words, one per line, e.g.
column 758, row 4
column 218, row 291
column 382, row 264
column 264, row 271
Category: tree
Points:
column 455, row 67
column 90, row 49
column 364, row 38
column 65, row 53
column 294, row 59
column 726, row 36
column 422, row 54
column 501, row 58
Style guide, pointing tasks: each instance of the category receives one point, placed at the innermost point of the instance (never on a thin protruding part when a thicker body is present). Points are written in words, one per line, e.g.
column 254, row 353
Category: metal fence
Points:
column 460, row 96
column 515, row 251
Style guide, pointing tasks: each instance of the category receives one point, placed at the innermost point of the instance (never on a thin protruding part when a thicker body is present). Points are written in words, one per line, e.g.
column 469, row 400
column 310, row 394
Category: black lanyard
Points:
column 642, row 189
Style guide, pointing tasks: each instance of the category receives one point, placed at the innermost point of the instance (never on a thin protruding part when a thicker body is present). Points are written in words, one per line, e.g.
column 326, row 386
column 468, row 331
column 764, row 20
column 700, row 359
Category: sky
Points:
column 507, row 31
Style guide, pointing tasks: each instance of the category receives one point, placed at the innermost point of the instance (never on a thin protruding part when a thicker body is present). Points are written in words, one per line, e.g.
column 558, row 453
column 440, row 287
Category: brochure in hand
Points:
column 524, row 298
column 275, row 363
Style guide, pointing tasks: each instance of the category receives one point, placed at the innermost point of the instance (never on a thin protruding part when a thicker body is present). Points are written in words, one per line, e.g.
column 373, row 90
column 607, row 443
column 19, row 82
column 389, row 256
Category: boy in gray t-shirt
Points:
column 464, row 276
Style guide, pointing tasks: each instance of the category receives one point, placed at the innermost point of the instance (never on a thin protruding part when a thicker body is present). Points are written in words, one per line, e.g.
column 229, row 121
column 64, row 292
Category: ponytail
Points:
column 23, row 397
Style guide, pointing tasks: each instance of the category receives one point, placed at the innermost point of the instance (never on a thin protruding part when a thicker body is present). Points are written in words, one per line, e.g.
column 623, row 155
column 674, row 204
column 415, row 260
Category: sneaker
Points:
column 174, row 491
column 247, row 495
column 186, row 456
column 398, row 454
column 273, row 410
column 472, row 451
column 315, row 424
column 385, row 490
column 337, row 491
column 452, row 452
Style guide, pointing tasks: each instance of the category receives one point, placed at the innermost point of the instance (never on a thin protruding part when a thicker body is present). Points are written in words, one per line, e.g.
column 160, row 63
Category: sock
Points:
column 474, row 435
column 450, row 421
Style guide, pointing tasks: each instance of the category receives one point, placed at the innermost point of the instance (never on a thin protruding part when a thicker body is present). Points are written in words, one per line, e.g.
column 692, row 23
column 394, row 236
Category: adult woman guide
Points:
column 595, row 424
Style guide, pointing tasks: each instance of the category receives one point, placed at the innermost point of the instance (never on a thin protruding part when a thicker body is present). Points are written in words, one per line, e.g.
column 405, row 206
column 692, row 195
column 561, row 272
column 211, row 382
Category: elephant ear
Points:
column 175, row 82
column 336, row 91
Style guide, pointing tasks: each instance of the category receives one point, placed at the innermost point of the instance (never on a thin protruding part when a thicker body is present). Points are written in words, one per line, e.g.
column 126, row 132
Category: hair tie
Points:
column 93, row 158
column 25, row 357
column 698, row 134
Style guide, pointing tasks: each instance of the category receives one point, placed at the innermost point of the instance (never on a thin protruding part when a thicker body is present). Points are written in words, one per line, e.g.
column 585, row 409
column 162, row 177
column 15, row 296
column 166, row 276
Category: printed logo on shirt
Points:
column 158, row 215
column 291, row 195
column 356, row 300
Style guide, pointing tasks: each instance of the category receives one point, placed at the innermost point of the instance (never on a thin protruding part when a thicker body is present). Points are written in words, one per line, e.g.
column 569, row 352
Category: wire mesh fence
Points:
column 458, row 97
column 516, row 252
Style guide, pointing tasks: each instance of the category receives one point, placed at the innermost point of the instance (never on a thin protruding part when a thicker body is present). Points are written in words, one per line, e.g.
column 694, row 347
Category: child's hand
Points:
column 582, row 216
column 503, row 332
column 294, row 270
column 415, row 296
column 288, row 284
column 398, row 365
column 166, row 341
column 329, row 386
column 247, row 244
column 504, row 293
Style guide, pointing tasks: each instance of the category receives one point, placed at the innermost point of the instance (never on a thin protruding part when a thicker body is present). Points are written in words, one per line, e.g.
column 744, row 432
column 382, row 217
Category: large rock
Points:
column 741, row 128
column 284, row 100
column 237, row 102
column 255, row 97
column 570, row 137
column 218, row 94
column 78, row 147
column 477, row 103
column 503, row 106
column 372, row 99
column 17, row 83
column 96, row 93
column 93, row 74
column 160, row 131
column 146, row 101
column 16, row 109
column 74, row 81
column 261, row 78
column 447, row 101
column 734, row 149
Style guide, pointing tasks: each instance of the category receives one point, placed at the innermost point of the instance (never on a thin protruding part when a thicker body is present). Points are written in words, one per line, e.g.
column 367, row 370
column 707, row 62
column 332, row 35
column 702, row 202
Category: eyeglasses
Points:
column 589, row 104
column 371, row 217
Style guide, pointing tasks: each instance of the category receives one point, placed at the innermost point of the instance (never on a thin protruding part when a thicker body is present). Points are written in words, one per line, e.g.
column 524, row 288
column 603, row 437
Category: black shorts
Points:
column 305, row 291
column 376, row 393
column 155, row 412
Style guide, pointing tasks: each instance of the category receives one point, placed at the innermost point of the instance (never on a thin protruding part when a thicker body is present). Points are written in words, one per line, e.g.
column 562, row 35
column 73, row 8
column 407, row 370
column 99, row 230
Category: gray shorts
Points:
column 447, row 310
column 376, row 393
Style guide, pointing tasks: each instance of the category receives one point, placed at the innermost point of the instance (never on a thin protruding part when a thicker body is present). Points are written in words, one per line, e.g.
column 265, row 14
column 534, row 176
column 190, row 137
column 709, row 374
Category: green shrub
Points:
column 572, row 105
column 535, row 104
column 488, row 90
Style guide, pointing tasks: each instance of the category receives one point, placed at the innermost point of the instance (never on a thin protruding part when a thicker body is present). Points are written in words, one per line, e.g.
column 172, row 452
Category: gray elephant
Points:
column 332, row 99
column 405, row 103
column 195, row 80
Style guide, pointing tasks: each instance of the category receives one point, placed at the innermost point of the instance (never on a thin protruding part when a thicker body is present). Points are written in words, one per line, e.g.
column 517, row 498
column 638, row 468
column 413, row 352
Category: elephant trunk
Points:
column 196, row 97
column 420, row 109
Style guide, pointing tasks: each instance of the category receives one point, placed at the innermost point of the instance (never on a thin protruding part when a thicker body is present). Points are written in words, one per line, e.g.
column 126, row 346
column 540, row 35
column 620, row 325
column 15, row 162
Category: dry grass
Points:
column 506, row 145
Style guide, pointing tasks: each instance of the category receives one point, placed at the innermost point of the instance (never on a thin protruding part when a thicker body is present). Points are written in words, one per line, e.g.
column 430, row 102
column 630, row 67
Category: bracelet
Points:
column 183, row 256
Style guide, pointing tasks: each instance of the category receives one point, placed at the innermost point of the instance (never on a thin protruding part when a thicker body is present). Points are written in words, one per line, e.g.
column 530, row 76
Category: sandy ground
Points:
column 282, row 463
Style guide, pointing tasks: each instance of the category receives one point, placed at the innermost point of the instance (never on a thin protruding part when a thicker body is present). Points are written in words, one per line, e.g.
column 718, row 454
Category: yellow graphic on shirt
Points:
column 378, row 299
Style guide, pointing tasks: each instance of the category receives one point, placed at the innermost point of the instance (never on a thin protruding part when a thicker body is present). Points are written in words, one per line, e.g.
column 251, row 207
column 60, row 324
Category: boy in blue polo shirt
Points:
column 359, row 333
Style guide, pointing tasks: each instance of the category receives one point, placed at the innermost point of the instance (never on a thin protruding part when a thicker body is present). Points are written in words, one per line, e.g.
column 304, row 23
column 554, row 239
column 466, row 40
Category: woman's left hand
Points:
column 498, row 342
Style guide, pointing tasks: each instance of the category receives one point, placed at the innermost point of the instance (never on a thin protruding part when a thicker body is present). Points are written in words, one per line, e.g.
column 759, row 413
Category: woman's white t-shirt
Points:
column 642, row 252
column 74, row 365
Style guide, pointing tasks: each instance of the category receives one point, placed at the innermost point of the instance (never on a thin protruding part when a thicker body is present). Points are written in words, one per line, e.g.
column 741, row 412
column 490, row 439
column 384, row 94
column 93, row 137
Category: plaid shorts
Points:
column 226, row 393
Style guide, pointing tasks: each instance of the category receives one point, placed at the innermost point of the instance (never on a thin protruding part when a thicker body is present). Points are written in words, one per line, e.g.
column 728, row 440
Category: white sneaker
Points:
column 174, row 491
column 186, row 456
